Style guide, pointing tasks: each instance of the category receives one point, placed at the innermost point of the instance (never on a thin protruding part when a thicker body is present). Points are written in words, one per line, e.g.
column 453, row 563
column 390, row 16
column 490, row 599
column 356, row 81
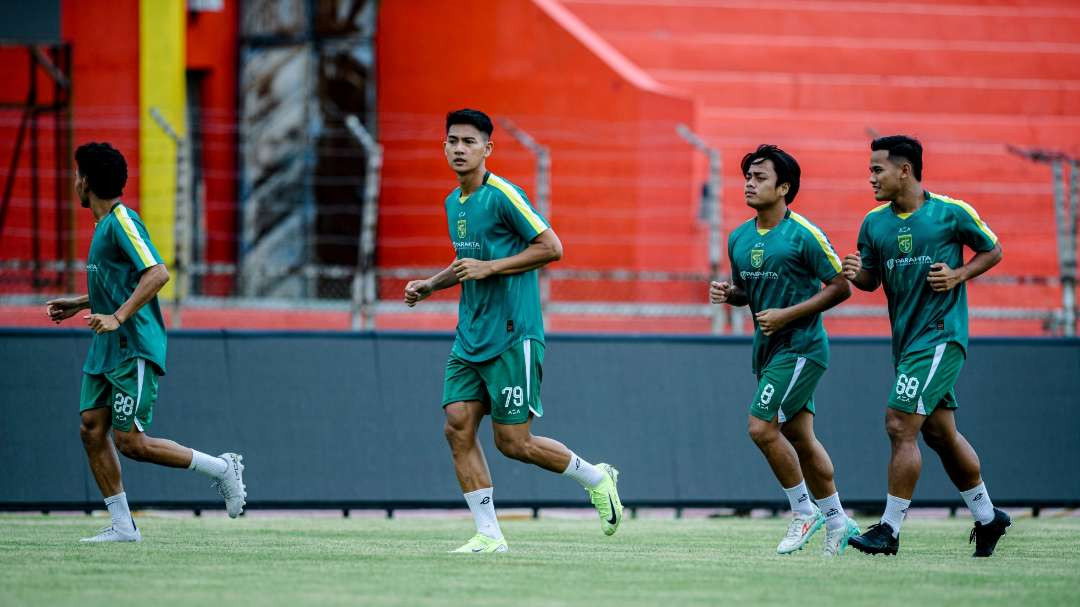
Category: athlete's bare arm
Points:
column 944, row 278
column 835, row 291
column 543, row 249
column 150, row 282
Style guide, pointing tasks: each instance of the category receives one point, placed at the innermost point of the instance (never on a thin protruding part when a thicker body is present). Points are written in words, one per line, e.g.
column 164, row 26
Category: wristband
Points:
column 117, row 319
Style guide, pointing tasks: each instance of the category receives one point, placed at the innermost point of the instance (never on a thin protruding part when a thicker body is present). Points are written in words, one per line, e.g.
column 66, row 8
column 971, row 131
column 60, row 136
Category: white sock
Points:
column 835, row 518
column 211, row 466
column 583, row 472
column 895, row 510
column 799, row 499
column 119, row 512
column 978, row 501
column 482, row 506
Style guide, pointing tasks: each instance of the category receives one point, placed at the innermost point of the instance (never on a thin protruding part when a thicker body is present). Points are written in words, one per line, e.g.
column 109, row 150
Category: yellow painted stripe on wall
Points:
column 162, row 60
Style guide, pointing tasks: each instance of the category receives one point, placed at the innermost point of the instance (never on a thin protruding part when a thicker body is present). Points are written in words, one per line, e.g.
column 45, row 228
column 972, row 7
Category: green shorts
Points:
column 508, row 385
column 785, row 387
column 925, row 379
column 130, row 389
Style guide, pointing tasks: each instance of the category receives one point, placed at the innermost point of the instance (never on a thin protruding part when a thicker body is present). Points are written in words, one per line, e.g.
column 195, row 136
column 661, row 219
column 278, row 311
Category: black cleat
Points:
column 986, row 536
column 878, row 539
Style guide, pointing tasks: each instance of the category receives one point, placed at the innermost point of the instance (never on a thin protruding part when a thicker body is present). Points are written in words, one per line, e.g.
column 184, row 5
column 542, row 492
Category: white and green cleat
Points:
column 800, row 530
column 836, row 540
column 481, row 543
column 605, row 497
column 112, row 533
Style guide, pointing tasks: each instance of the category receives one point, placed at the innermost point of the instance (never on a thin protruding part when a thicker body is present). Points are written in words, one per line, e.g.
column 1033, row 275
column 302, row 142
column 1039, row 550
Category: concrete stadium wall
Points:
column 339, row 418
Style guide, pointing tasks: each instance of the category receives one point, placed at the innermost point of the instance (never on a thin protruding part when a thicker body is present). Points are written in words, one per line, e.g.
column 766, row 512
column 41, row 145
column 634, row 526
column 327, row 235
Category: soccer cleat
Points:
column 878, row 539
column 481, row 543
column 836, row 540
column 605, row 497
column 986, row 536
column 801, row 528
column 112, row 534
column 231, row 486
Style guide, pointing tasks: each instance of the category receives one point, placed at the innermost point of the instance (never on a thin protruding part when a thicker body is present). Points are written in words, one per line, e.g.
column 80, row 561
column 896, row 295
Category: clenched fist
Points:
column 852, row 265
column 720, row 292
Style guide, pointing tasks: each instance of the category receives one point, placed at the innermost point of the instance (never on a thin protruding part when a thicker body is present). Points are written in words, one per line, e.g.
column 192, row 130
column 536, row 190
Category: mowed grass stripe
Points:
column 332, row 561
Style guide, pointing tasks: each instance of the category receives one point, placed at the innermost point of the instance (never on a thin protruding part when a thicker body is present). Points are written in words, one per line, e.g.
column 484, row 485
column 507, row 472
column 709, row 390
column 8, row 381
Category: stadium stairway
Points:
column 820, row 77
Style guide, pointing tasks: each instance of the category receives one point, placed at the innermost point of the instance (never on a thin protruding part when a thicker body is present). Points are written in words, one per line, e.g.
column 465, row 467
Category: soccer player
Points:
column 913, row 245
column 495, row 363
column 779, row 261
column 119, row 387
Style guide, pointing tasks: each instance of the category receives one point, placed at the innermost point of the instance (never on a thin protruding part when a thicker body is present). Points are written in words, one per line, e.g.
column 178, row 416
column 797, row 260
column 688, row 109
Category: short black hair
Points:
column 104, row 168
column 901, row 147
column 787, row 168
column 474, row 117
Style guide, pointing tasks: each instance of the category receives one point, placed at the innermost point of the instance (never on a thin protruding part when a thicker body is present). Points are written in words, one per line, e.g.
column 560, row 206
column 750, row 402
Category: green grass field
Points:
column 336, row 561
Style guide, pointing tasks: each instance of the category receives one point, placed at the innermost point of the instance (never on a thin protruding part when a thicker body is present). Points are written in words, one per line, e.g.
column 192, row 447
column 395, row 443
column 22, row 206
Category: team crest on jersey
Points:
column 757, row 257
column 904, row 240
column 461, row 231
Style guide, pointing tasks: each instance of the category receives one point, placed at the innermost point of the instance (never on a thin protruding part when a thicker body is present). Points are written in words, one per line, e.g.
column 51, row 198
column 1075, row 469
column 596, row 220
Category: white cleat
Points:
column 800, row 530
column 112, row 534
column 231, row 486
column 836, row 540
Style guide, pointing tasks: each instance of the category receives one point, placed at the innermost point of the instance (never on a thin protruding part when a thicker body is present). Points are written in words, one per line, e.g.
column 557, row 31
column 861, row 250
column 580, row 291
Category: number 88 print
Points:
column 123, row 405
column 907, row 386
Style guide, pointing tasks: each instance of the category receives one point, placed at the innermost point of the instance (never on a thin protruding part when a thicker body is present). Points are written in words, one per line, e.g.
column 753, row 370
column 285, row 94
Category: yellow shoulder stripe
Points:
column 830, row 254
column 519, row 203
column 878, row 208
column 133, row 236
column 970, row 210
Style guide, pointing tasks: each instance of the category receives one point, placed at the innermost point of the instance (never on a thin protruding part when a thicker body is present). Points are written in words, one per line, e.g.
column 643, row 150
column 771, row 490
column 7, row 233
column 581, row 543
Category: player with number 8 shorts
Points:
column 779, row 262
column 913, row 246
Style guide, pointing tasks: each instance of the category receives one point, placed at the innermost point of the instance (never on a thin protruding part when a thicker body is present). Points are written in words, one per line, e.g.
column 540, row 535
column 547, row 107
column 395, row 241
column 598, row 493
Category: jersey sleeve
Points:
column 132, row 238
column 971, row 230
column 515, row 210
column 819, row 254
column 867, row 251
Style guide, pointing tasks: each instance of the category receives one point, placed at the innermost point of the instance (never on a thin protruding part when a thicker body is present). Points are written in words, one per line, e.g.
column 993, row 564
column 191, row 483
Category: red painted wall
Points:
column 623, row 193
column 105, row 97
column 211, row 50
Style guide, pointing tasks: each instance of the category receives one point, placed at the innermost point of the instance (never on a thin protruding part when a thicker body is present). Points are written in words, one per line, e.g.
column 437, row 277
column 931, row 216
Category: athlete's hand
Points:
column 943, row 278
column 468, row 268
column 720, row 292
column 62, row 309
column 772, row 320
column 417, row 291
column 852, row 265
column 102, row 323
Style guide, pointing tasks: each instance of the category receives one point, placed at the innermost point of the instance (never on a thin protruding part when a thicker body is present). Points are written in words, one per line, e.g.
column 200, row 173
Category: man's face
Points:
column 466, row 147
column 761, row 190
column 887, row 177
column 82, row 190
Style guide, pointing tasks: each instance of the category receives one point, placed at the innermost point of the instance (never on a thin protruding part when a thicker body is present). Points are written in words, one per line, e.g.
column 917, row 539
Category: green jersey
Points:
column 119, row 253
column 493, row 222
column 900, row 248
column 780, row 268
